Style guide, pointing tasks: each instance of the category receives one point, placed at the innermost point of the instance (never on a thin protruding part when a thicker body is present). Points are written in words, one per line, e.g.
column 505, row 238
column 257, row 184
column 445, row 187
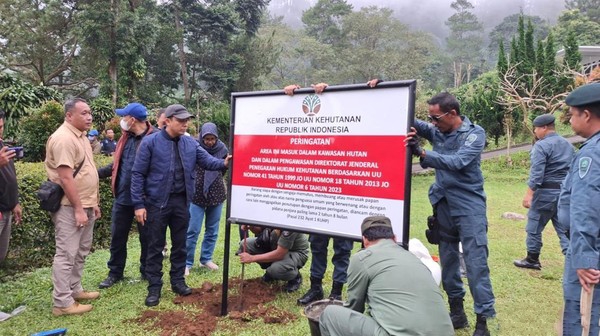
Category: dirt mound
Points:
column 203, row 320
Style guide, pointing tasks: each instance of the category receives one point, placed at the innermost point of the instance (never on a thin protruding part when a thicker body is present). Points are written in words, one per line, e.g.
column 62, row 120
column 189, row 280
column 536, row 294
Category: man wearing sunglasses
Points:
column 459, row 203
column 162, row 186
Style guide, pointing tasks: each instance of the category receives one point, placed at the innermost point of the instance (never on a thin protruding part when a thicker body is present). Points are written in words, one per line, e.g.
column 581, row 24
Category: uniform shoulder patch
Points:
column 470, row 139
column 364, row 254
column 584, row 166
column 286, row 233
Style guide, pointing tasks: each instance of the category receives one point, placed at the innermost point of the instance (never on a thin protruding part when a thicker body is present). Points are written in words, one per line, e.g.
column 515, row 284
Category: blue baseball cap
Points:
column 93, row 133
column 136, row 110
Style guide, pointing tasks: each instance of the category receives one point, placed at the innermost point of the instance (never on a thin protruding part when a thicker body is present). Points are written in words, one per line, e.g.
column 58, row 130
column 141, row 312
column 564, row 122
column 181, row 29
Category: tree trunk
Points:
column 182, row 58
column 112, row 65
column 508, row 124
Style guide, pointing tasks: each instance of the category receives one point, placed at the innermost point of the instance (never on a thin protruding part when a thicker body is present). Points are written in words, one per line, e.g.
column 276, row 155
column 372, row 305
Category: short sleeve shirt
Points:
column 293, row 241
column 68, row 146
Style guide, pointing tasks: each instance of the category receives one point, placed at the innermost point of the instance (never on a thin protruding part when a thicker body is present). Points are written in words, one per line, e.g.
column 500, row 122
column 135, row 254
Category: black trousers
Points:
column 176, row 216
column 122, row 220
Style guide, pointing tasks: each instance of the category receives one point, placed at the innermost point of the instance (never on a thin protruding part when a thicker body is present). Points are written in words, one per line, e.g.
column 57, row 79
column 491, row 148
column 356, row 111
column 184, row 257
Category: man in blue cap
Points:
column 135, row 127
column 550, row 157
column 162, row 187
column 96, row 145
column 578, row 206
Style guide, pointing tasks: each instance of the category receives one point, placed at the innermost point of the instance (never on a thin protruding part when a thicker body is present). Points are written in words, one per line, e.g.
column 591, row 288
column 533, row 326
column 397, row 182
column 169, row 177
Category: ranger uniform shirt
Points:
column 456, row 157
column 292, row 241
column 579, row 199
column 398, row 288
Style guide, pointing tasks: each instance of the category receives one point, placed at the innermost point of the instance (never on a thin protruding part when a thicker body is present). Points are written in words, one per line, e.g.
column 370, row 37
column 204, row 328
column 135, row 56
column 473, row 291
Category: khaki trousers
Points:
column 73, row 244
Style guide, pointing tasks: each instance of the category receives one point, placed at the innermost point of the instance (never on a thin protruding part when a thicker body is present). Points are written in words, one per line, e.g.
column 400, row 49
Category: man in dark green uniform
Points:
column 281, row 253
column 402, row 296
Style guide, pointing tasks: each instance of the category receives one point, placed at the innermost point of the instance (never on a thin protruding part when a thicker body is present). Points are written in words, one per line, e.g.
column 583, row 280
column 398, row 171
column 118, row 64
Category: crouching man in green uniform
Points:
column 402, row 296
column 280, row 253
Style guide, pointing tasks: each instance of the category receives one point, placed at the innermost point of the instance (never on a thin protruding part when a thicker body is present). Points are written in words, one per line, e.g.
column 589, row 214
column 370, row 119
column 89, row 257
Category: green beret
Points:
column 584, row 95
column 373, row 221
column 543, row 120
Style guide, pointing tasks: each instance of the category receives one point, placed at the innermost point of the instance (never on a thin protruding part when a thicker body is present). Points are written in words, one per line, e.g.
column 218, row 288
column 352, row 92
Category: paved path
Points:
column 416, row 168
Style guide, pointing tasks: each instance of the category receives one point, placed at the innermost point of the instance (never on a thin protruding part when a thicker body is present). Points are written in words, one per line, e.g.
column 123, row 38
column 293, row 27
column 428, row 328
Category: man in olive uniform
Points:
column 281, row 253
column 401, row 294
column 580, row 195
column 550, row 157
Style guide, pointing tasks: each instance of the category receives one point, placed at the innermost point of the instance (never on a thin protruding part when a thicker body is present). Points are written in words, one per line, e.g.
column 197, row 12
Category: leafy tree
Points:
column 479, row 101
column 379, row 45
column 465, row 40
column 586, row 30
column 571, row 64
column 508, row 28
column 323, row 21
column 18, row 97
column 296, row 64
column 589, row 8
column 121, row 34
column 37, row 40
column 216, row 45
column 572, row 58
column 502, row 64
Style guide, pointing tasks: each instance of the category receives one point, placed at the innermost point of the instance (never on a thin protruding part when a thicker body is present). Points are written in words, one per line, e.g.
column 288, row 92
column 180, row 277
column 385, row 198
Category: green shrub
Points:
column 32, row 242
column 37, row 128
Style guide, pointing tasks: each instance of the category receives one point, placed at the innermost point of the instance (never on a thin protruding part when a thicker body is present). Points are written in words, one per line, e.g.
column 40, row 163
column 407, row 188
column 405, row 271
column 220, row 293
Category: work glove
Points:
column 415, row 145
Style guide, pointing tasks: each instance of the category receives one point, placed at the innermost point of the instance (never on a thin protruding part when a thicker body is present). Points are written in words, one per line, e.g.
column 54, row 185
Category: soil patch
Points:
column 205, row 314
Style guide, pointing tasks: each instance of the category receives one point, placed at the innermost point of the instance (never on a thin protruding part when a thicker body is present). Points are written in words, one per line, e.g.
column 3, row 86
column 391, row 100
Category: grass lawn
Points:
column 527, row 302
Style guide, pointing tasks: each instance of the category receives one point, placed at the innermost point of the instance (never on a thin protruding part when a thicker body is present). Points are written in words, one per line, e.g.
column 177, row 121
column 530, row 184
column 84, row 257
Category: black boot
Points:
column 532, row 261
column 481, row 328
column 294, row 284
column 336, row 291
column 314, row 293
column 457, row 313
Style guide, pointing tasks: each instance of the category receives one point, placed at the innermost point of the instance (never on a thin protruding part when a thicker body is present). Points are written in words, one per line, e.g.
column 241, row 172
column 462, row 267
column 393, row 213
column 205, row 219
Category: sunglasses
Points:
column 436, row 118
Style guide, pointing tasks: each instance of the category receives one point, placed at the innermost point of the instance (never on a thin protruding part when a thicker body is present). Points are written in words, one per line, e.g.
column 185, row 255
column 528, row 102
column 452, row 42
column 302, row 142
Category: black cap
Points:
column 373, row 221
column 177, row 111
column 543, row 120
column 584, row 95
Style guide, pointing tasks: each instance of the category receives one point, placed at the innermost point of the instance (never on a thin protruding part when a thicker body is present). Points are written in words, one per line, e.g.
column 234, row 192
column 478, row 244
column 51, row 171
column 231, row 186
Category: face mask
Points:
column 91, row 138
column 124, row 125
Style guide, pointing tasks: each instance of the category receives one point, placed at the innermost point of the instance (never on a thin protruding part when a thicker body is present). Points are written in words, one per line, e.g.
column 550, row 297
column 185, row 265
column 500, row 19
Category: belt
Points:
column 550, row 185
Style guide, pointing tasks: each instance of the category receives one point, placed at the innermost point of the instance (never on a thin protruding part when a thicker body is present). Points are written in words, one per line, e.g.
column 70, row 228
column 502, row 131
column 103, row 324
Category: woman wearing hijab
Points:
column 207, row 202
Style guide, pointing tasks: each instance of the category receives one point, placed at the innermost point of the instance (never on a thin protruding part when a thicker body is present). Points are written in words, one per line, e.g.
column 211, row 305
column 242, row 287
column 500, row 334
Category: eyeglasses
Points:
column 436, row 118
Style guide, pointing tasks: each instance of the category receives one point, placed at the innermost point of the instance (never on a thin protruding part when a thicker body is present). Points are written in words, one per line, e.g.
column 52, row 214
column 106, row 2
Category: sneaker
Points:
column 86, row 296
column 187, row 271
column 73, row 309
column 210, row 265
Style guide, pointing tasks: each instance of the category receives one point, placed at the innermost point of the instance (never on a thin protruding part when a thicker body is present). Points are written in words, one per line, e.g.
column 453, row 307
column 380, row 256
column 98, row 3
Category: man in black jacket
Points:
column 9, row 194
column 135, row 127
